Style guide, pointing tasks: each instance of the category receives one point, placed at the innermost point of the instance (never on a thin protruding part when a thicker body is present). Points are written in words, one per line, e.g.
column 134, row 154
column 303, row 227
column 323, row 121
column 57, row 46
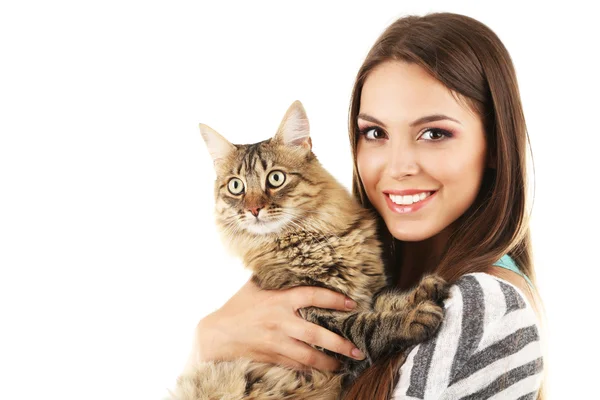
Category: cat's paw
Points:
column 423, row 321
column 431, row 288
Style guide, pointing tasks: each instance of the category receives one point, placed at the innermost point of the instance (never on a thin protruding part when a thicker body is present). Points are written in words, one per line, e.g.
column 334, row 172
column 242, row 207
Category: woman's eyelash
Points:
column 365, row 130
column 439, row 131
column 376, row 130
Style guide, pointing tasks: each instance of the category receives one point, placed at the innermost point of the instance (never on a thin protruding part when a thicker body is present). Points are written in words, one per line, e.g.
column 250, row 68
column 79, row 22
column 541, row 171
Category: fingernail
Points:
column 350, row 303
column 356, row 353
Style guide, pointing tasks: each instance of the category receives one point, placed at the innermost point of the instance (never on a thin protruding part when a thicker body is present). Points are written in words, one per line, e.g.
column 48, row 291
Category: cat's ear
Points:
column 218, row 147
column 294, row 129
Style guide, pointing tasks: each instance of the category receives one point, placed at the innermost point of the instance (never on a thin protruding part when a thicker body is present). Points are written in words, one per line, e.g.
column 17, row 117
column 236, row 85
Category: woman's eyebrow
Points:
column 374, row 120
column 432, row 118
column 420, row 121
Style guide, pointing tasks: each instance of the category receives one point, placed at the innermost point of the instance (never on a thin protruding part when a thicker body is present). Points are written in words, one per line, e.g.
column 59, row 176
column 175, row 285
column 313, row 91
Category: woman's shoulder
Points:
column 489, row 298
column 517, row 280
column 484, row 285
column 489, row 335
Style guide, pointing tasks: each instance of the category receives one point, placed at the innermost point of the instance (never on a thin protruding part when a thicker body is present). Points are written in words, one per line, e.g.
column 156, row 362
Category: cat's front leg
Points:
column 380, row 333
column 431, row 288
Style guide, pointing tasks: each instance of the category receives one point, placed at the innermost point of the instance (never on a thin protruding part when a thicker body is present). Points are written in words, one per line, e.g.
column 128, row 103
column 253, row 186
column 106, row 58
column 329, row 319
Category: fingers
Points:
column 277, row 347
column 317, row 335
column 264, row 325
column 307, row 357
column 306, row 296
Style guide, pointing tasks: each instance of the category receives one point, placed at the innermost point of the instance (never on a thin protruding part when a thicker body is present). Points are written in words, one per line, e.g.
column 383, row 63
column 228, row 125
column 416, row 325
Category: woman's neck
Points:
column 420, row 258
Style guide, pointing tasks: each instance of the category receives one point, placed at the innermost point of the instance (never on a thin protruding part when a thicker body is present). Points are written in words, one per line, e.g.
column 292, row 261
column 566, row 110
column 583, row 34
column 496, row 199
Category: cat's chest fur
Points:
column 348, row 262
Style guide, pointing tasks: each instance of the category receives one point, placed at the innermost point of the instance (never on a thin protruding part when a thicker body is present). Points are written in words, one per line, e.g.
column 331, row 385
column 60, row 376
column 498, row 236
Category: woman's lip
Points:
column 405, row 209
column 408, row 192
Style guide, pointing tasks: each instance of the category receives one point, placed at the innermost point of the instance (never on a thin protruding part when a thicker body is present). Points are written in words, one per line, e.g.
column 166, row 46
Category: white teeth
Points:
column 410, row 199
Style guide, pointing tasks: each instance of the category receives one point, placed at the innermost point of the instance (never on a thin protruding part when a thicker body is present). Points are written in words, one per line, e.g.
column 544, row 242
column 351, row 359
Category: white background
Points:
column 108, row 251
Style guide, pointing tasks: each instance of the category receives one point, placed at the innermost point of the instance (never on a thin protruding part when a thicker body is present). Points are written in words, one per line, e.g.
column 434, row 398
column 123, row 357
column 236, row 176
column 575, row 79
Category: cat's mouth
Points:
column 262, row 225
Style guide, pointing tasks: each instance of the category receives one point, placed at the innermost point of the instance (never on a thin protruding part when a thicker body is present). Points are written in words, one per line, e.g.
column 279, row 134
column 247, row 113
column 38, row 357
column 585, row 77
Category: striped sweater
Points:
column 488, row 347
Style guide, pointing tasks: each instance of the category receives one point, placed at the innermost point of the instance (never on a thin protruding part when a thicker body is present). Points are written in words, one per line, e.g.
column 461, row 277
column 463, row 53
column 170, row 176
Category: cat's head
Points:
column 265, row 187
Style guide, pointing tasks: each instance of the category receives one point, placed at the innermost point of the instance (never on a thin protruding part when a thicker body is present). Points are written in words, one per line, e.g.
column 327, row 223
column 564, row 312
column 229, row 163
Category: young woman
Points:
column 439, row 144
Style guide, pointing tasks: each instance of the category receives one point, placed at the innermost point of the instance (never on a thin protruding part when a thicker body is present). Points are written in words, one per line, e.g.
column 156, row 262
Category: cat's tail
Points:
column 248, row 380
column 212, row 381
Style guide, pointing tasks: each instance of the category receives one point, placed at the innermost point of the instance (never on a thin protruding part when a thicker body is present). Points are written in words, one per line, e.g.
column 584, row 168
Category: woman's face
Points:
column 421, row 153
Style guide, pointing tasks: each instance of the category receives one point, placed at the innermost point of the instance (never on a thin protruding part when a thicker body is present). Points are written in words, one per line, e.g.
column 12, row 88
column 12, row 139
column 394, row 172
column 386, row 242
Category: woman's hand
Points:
column 263, row 325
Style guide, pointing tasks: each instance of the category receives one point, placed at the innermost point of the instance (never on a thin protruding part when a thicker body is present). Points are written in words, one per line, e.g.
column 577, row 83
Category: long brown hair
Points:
column 469, row 59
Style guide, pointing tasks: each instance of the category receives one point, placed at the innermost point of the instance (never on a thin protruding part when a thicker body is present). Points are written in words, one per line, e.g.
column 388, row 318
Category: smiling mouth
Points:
column 411, row 203
column 407, row 200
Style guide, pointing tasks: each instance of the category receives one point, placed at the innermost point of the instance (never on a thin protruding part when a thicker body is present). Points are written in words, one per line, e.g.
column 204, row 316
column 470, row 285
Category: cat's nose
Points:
column 255, row 211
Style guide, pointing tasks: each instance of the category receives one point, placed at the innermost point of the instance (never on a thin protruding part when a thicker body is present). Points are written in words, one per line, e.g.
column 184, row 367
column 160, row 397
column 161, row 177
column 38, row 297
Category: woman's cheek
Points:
column 368, row 164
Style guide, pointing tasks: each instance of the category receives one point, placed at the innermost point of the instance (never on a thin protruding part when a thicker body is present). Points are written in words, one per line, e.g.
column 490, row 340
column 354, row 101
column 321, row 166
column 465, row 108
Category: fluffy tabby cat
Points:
column 293, row 224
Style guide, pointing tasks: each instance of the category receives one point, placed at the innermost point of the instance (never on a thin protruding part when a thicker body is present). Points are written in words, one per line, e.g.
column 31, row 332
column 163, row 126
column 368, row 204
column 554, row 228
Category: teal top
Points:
column 507, row 262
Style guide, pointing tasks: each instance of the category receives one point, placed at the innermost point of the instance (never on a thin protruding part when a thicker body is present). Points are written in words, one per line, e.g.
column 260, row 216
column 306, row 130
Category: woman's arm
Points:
column 488, row 344
column 263, row 325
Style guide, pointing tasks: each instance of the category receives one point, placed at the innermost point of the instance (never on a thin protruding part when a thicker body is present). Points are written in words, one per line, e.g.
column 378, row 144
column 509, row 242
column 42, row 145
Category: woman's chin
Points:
column 411, row 235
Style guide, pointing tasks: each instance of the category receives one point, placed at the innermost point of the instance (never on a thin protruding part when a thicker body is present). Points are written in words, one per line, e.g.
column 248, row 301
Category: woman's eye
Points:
column 435, row 134
column 235, row 186
column 276, row 178
column 373, row 133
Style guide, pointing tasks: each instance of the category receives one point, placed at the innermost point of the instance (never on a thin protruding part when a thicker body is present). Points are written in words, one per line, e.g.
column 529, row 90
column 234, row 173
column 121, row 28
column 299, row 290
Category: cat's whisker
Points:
column 231, row 227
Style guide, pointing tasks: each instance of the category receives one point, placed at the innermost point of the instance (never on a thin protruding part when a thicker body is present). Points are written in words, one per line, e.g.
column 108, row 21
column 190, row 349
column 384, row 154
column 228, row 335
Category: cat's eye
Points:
column 276, row 178
column 235, row 186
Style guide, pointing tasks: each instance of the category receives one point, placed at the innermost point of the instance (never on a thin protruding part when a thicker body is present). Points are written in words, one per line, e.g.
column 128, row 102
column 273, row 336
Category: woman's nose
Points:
column 402, row 161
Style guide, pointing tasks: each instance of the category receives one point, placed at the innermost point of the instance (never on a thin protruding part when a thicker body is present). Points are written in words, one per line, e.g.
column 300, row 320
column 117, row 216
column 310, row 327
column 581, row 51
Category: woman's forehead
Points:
column 398, row 92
